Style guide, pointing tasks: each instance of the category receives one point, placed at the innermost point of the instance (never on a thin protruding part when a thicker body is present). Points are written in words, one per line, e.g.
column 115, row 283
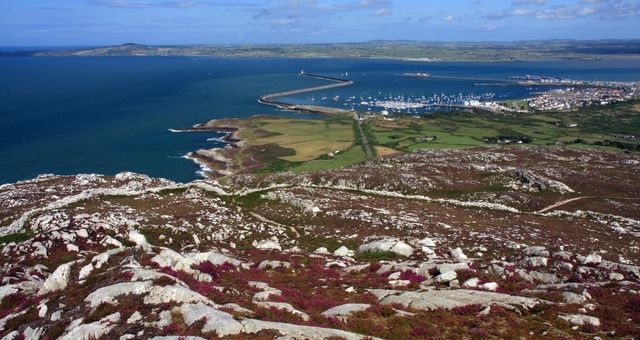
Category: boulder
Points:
column 446, row 277
column 458, row 254
column 285, row 307
column 267, row 264
column 449, row 299
column 291, row 331
column 271, row 244
column 448, row 267
column 471, row 283
column 580, row 319
column 544, row 277
column 322, row 250
column 343, row 251
column 223, row 324
column 573, row 298
column 215, row 258
column 94, row 330
column 138, row 239
column 536, row 261
column 387, row 245
column 492, row 286
column 174, row 294
column 108, row 294
column 592, row 259
column 58, row 280
column 539, row 251
column 82, row 233
column 616, row 277
column 6, row 291
column 85, row 271
column 427, row 242
column 342, row 312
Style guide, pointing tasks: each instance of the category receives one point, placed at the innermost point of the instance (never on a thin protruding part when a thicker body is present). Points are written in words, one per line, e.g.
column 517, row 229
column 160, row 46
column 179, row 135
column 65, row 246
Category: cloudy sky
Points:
column 100, row 22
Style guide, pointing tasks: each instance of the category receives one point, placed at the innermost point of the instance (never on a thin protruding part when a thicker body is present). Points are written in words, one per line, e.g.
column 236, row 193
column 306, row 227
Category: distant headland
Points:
column 419, row 51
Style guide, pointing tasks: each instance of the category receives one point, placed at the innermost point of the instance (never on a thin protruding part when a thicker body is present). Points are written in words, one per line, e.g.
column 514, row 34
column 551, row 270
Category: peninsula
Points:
column 417, row 51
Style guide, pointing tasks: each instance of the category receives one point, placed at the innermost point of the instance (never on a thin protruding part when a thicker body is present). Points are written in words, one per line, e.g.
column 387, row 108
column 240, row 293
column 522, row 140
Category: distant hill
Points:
column 411, row 50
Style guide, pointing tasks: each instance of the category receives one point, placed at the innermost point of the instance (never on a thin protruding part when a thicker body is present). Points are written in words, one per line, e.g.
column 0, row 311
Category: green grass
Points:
column 377, row 256
column 349, row 157
column 17, row 238
column 462, row 130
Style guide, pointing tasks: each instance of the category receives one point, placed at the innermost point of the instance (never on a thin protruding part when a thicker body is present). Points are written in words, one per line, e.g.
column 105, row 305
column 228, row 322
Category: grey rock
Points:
column 458, row 254
column 58, row 280
column 388, row 244
column 573, row 298
column 616, row 277
column 290, row 331
column 592, row 259
column 449, row 299
column 448, row 267
column 223, row 324
column 446, row 277
column 536, row 251
column 544, row 277
column 536, row 261
column 342, row 312
column 580, row 319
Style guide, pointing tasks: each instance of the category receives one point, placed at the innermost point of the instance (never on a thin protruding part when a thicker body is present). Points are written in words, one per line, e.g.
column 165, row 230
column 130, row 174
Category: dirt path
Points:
column 561, row 203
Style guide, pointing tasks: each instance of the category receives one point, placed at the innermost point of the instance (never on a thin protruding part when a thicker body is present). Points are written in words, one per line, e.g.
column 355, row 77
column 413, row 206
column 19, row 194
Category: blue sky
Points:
column 101, row 22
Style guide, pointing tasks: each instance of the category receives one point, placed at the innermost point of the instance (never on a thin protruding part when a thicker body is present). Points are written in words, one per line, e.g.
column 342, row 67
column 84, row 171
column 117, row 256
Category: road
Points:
column 363, row 137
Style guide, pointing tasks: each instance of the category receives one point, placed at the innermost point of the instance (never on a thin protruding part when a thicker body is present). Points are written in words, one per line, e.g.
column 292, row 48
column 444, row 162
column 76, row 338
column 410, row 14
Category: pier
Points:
column 269, row 99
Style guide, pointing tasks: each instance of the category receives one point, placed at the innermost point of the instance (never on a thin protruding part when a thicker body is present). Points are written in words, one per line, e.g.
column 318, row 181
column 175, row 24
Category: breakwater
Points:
column 270, row 99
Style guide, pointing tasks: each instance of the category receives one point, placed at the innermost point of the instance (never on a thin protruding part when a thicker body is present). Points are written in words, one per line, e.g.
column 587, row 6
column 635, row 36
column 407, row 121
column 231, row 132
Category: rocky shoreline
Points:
column 217, row 162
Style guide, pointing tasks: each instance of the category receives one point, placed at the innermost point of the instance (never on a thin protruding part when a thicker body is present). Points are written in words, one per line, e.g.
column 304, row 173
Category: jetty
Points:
column 270, row 99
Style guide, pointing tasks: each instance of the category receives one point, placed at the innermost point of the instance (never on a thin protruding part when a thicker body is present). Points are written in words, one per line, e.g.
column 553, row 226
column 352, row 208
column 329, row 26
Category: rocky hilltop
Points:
column 479, row 243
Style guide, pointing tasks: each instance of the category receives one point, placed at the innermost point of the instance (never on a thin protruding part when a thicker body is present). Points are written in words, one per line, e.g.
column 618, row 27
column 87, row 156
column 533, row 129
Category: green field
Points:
column 299, row 145
column 460, row 130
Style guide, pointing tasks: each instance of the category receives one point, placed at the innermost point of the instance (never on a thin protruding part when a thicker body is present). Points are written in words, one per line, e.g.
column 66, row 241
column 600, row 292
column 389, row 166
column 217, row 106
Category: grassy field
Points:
column 285, row 144
column 460, row 130
column 309, row 139
column 272, row 144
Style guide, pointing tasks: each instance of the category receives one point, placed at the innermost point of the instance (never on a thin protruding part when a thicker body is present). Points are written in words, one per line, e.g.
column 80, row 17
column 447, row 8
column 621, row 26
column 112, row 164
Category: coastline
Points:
column 216, row 162
column 222, row 162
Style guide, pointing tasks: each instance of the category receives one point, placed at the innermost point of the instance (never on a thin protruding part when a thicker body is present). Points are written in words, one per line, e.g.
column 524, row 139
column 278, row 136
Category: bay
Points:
column 112, row 114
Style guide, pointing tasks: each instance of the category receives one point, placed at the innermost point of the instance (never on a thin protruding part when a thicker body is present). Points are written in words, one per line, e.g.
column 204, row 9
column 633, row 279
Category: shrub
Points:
column 104, row 309
column 411, row 276
column 468, row 310
column 164, row 281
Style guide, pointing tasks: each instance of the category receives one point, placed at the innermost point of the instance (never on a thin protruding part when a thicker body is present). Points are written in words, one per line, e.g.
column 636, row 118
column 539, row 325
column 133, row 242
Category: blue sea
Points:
column 113, row 114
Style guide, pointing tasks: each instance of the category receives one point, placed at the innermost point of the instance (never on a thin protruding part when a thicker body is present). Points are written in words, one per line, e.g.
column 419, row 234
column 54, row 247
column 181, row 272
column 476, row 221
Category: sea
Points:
column 106, row 115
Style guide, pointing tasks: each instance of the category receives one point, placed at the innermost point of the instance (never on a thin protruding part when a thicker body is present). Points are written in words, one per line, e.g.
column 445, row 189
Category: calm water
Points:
column 106, row 115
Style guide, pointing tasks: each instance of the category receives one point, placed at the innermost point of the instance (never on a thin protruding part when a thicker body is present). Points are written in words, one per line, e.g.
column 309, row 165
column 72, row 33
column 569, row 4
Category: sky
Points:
column 157, row 22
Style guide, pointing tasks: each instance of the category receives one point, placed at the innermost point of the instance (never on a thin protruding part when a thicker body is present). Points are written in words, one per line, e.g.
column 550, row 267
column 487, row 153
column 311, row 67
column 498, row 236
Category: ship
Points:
column 417, row 75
